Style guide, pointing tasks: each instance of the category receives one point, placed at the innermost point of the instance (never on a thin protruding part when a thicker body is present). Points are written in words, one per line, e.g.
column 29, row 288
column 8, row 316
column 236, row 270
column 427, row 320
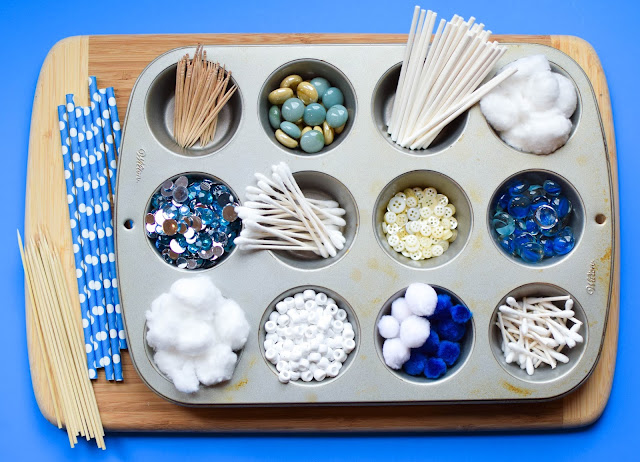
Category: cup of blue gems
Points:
column 536, row 217
column 191, row 221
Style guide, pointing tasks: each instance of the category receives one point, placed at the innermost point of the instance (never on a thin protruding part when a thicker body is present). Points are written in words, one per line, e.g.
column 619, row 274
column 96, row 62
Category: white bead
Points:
column 333, row 370
column 296, row 354
column 294, row 376
column 294, row 316
column 287, row 345
column 315, row 357
column 323, row 363
column 289, row 302
column 324, row 322
column 321, row 299
column 272, row 336
column 272, row 355
column 282, row 366
column 313, row 318
column 270, row 327
column 282, row 307
column 348, row 345
column 288, row 332
column 299, row 301
column 322, row 348
column 308, row 306
column 280, row 331
column 293, row 366
column 348, row 334
column 304, row 315
column 268, row 344
column 339, row 355
column 303, row 364
column 337, row 325
column 273, row 316
column 283, row 320
column 309, row 294
column 319, row 375
column 285, row 355
column 306, row 376
column 329, row 353
column 341, row 315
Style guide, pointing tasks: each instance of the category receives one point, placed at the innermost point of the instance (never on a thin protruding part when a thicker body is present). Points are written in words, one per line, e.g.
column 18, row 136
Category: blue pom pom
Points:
column 430, row 347
column 435, row 368
column 449, row 352
column 415, row 364
column 449, row 330
column 443, row 308
column 460, row 314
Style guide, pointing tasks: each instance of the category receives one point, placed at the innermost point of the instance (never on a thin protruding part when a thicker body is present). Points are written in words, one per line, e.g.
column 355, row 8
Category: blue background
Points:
column 30, row 29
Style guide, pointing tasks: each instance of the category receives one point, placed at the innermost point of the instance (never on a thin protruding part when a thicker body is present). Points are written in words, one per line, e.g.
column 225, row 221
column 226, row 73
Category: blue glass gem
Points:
column 552, row 188
column 518, row 187
column 503, row 201
column 503, row 223
column 535, row 193
column 562, row 205
column 547, row 246
column 508, row 244
column 523, row 239
column 564, row 241
column 531, row 226
column 519, row 206
column 546, row 217
column 531, row 252
column 539, row 201
column 204, row 197
column 551, row 231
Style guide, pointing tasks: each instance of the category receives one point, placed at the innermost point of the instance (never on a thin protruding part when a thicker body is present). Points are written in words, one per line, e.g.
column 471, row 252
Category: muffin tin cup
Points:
column 362, row 172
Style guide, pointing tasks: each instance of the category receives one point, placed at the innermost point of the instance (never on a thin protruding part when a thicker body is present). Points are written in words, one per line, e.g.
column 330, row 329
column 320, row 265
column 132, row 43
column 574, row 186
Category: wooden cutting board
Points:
column 130, row 406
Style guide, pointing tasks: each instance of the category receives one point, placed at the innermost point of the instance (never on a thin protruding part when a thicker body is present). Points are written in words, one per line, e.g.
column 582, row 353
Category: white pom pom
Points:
column 394, row 352
column 414, row 331
column 388, row 327
column 400, row 309
column 421, row 299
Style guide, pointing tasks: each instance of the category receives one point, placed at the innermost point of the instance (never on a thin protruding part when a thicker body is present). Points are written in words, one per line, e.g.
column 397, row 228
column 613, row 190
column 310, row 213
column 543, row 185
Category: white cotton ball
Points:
column 193, row 336
column 528, row 66
column 182, row 373
column 400, row 309
column 541, row 90
column 161, row 321
column 395, row 353
column 567, row 97
column 198, row 293
column 414, row 331
column 216, row 365
column 388, row 327
column 231, row 324
column 500, row 111
column 543, row 133
column 421, row 298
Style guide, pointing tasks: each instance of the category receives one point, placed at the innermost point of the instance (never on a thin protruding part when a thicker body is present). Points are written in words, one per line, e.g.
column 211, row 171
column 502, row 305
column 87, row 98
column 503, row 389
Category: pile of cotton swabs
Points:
column 439, row 82
column 278, row 216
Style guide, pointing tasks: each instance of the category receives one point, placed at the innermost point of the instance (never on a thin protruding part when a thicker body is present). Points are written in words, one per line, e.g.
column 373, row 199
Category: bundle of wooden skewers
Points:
column 202, row 90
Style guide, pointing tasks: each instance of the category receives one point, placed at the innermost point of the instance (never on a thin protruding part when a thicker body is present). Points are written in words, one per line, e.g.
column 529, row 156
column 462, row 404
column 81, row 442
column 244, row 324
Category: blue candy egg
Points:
column 519, row 206
column 337, row 116
column 274, row 117
column 293, row 109
column 312, row 141
column 331, row 97
column 314, row 114
column 322, row 85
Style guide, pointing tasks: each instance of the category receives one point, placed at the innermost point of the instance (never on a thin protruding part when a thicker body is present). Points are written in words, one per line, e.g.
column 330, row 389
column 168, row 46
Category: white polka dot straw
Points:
column 75, row 234
column 89, row 249
column 89, row 175
column 115, row 119
column 103, row 131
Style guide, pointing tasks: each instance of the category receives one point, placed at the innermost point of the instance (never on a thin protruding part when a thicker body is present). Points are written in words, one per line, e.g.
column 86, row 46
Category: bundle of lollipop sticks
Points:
column 438, row 82
column 201, row 93
column 278, row 216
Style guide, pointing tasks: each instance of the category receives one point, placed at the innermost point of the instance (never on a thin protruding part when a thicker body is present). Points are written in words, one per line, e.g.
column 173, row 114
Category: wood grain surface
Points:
column 131, row 406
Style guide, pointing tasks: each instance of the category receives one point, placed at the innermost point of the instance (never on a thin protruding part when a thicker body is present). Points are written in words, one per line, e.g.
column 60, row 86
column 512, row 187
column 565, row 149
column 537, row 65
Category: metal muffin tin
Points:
column 362, row 171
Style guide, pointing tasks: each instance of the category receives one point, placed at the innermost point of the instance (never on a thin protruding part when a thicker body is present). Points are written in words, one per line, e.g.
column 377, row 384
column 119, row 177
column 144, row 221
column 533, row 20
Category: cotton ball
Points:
column 216, row 365
column 394, row 352
column 567, row 97
column 161, row 321
column 194, row 336
column 421, row 298
column 414, row 331
column 400, row 309
column 231, row 324
column 182, row 373
column 542, row 90
column 198, row 293
column 529, row 65
column 500, row 111
column 388, row 327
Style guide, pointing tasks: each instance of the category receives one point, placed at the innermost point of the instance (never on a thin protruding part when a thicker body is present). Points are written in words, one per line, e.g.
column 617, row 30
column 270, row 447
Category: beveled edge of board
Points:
column 581, row 407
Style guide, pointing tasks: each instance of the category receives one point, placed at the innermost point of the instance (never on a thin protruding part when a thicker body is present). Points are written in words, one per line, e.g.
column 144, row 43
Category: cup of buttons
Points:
column 424, row 333
column 309, row 335
column 423, row 219
column 536, row 217
column 307, row 106
column 191, row 221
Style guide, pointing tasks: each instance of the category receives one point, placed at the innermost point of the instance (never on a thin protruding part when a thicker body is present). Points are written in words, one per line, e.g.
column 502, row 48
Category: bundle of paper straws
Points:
column 90, row 140
column 439, row 82
column 534, row 331
column 278, row 216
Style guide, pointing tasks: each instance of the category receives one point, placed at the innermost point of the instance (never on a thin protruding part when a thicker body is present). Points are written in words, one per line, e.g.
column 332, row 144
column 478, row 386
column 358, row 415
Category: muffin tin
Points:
column 468, row 163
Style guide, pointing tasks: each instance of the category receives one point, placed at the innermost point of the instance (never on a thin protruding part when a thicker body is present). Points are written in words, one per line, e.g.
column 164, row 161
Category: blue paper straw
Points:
column 90, row 344
column 109, row 140
column 91, row 182
column 95, row 292
column 99, row 135
column 115, row 119
column 105, row 224
column 102, row 168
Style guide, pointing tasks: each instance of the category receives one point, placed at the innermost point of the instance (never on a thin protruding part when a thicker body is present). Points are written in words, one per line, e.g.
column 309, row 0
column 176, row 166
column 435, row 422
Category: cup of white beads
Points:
column 422, row 219
column 538, row 332
column 309, row 335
